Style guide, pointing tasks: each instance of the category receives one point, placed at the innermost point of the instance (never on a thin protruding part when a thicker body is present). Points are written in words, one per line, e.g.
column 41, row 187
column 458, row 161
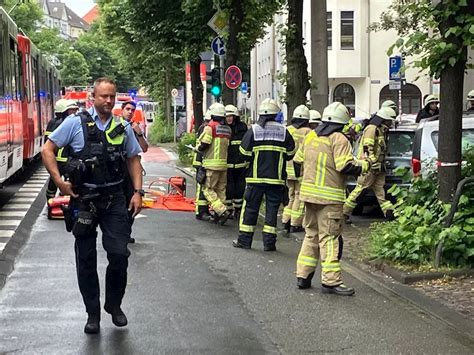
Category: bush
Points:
column 185, row 154
column 160, row 131
column 412, row 238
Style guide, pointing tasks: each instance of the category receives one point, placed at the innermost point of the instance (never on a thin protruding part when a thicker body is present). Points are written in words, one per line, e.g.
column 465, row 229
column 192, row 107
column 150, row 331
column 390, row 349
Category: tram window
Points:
column 20, row 75
column 2, row 87
column 13, row 69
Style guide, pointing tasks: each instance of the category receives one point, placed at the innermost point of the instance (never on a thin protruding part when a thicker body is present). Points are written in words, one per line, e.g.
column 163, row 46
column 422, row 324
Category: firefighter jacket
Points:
column 235, row 160
column 373, row 144
column 214, row 144
column 326, row 159
column 102, row 161
column 298, row 135
column 267, row 149
column 197, row 156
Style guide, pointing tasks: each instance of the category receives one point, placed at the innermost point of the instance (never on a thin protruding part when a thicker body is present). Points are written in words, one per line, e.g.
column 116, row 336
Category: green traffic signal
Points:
column 216, row 90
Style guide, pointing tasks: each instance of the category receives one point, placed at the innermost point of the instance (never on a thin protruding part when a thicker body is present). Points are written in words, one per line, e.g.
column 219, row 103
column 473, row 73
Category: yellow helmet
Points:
column 302, row 112
column 314, row 116
column 231, row 110
column 387, row 113
column 336, row 113
column 268, row 107
column 470, row 96
column 217, row 109
column 430, row 99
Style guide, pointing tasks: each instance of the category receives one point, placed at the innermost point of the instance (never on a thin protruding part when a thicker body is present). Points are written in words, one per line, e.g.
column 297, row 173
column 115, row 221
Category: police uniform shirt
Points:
column 70, row 133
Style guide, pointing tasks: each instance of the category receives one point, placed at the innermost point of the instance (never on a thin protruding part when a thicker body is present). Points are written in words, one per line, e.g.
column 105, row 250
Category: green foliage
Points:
column 50, row 43
column 160, row 131
column 185, row 154
column 75, row 70
column 26, row 14
column 419, row 227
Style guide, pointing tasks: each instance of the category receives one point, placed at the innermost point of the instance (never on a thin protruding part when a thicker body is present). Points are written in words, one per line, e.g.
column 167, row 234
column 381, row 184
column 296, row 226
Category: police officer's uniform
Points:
column 326, row 156
column 97, row 166
column 267, row 146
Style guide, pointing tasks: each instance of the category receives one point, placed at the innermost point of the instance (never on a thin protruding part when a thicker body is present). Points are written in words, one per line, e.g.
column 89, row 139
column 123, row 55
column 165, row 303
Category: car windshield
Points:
column 400, row 143
column 467, row 139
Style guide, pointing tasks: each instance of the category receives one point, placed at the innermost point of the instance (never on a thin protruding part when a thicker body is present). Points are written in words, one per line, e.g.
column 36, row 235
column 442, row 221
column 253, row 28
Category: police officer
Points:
column 373, row 147
column 128, row 110
column 326, row 155
column 63, row 109
column 267, row 146
column 202, row 206
column 102, row 148
column 470, row 101
column 292, row 217
column 214, row 144
column 236, row 164
column 314, row 119
column 429, row 110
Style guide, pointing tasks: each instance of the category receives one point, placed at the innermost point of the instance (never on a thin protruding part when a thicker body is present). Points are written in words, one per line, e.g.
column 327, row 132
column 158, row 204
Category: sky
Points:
column 80, row 7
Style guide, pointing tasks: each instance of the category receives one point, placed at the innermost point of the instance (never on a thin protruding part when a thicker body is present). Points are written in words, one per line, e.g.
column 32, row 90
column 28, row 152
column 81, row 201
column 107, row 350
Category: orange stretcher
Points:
column 168, row 194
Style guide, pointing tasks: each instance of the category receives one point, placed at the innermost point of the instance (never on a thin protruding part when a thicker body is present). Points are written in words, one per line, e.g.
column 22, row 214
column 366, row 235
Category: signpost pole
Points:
column 174, row 115
column 221, row 65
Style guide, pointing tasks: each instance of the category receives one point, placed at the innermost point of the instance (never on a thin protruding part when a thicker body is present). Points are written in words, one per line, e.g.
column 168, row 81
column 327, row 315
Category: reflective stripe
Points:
column 280, row 166
column 237, row 166
column 59, row 156
column 269, row 229
column 251, row 180
column 235, row 142
column 271, row 148
column 321, row 169
column 299, row 157
column 245, row 152
column 206, row 138
column 246, row 228
column 369, row 141
column 241, row 219
column 255, row 165
column 293, row 152
column 328, row 193
column 215, row 163
column 47, row 133
column 350, row 204
column 331, row 266
column 118, row 140
column 341, row 161
column 307, row 260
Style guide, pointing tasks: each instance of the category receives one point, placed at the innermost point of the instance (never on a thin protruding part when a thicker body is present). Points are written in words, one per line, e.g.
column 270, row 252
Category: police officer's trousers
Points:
column 235, row 188
column 373, row 181
column 214, row 189
column 323, row 240
column 110, row 214
column 294, row 211
column 253, row 197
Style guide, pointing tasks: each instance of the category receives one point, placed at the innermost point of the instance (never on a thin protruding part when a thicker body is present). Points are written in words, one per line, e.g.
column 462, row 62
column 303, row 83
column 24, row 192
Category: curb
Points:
column 428, row 305
column 186, row 171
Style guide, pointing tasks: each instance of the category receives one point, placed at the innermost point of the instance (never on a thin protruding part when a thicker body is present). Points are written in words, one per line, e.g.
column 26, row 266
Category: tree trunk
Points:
column 197, row 92
column 232, row 46
column 297, row 66
column 319, row 56
column 167, row 98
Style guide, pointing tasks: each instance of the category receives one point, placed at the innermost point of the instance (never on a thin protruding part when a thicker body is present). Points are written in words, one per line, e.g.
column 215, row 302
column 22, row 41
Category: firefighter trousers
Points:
column 253, row 197
column 214, row 189
column 294, row 211
column 235, row 188
column 373, row 181
column 51, row 189
column 202, row 206
column 323, row 240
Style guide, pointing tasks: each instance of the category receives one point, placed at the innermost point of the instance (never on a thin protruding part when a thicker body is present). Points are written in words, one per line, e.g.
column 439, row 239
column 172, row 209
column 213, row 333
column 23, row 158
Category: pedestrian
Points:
column 267, row 146
column 470, row 101
column 314, row 119
column 202, row 205
column 236, row 164
column 128, row 110
column 373, row 147
column 62, row 109
column 214, row 144
column 292, row 217
column 429, row 110
column 326, row 157
column 102, row 148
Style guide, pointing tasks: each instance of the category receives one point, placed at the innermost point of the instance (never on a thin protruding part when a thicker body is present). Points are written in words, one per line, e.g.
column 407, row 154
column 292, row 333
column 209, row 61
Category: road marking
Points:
column 22, row 199
column 33, row 185
column 2, row 246
column 13, row 206
column 26, row 194
column 12, row 213
column 10, row 222
column 6, row 233
column 30, row 189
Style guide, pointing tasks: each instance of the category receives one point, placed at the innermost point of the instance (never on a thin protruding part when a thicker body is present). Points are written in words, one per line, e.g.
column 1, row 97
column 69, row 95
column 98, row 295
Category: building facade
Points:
column 358, row 64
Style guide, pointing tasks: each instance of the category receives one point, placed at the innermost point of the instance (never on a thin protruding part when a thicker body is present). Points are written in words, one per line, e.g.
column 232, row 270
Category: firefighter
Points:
column 214, row 144
column 292, row 217
column 63, row 109
column 326, row 156
column 202, row 206
column 470, row 101
column 267, row 146
column 236, row 164
column 430, row 109
column 314, row 119
column 373, row 147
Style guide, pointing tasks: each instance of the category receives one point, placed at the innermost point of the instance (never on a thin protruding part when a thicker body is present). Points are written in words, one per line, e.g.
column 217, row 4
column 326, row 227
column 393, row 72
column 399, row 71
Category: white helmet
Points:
column 231, row 110
column 217, row 109
column 268, row 107
column 207, row 116
column 62, row 105
column 387, row 113
column 430, row 99
column 301, row 112
column 314, row 116
column 336, row 113
column 470, row 96
column 389, row 103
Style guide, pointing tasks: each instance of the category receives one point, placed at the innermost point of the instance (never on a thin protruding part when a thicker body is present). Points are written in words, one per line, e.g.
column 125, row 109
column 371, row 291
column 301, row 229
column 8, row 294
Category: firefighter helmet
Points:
column 301, row 112
column 268, row 107
column 336, row 113
column 470, row 96
column 217, row 110
column 314, row 116
column 387, row 113
column 430, row 99
column 231, row 110
column 62, row 105
column 389, row 103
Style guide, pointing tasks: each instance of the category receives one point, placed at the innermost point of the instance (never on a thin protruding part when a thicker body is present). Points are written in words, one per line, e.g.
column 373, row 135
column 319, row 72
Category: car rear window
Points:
column 467, row 138
column 400, row 143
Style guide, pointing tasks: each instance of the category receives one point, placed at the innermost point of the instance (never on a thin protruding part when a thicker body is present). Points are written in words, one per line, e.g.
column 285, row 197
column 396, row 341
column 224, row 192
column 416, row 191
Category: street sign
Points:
column 233, row 77
column 244, row 87
column 174, row 92
column 395, row 66
column 218, row 46
column 218, row 22
column 395, row 85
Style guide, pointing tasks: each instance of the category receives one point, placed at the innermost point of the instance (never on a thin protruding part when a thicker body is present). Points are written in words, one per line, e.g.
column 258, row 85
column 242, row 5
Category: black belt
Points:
column 106, row 190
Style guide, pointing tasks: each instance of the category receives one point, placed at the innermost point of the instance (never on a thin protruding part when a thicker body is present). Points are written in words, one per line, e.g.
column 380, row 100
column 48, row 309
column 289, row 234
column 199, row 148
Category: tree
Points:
column 27, row 15
column 74, row 69
column 50, row 43
column 438, row 36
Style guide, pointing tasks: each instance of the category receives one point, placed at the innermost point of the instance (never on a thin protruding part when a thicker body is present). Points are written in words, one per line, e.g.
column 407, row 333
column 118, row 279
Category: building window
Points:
column 347, row 29
column 411, row 97
column 345, row 94
column 329, row 28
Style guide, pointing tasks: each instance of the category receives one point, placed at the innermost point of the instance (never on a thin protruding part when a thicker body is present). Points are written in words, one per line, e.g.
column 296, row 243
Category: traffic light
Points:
column 214, row 82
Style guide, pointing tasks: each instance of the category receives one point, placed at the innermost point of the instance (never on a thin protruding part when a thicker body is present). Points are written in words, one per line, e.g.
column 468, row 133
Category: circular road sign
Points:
column 174, row 92
column 233, row 77
column 218, row 46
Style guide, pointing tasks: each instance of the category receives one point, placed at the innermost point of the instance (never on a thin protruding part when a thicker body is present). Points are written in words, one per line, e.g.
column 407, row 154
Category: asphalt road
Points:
column 190, row 292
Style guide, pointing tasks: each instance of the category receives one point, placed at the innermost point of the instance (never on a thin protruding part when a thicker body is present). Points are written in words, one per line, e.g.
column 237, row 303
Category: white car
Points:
column 425, row 144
